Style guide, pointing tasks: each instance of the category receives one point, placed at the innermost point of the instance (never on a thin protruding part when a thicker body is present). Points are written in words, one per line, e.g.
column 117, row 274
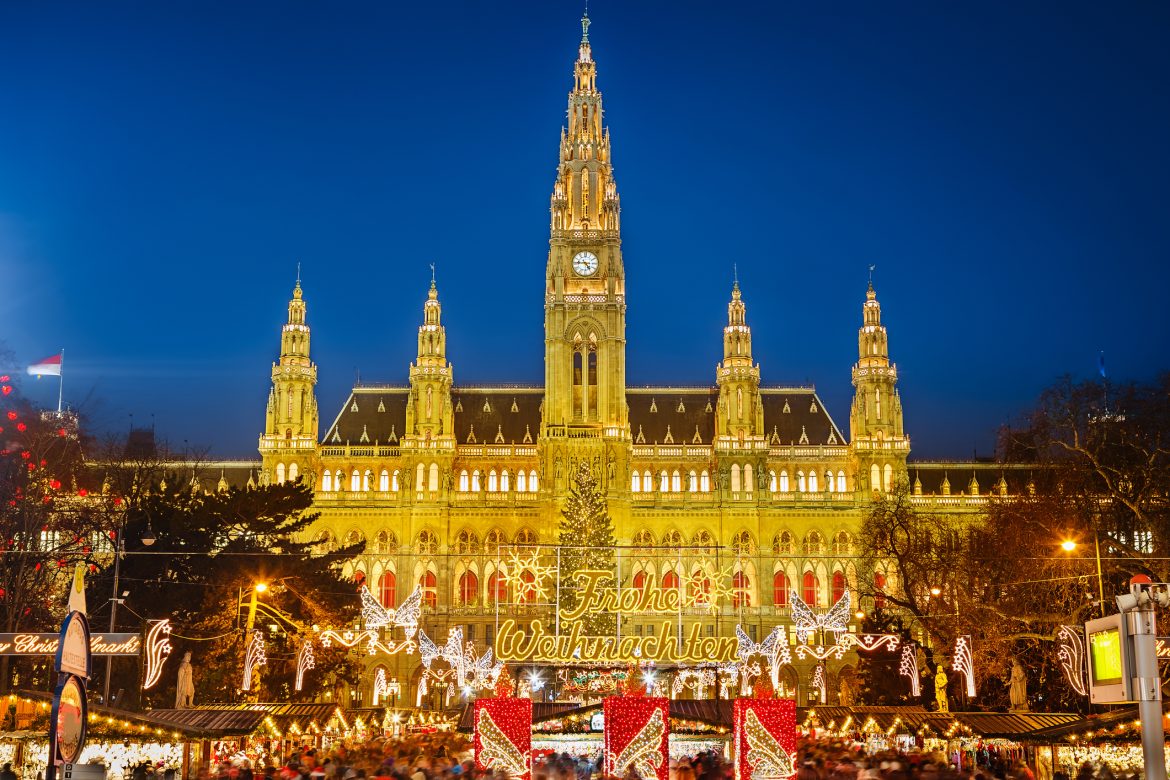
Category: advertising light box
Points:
column 1110, row 660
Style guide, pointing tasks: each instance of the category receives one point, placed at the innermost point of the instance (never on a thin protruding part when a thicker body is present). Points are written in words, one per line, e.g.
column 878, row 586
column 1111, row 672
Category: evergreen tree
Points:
column 586, row 539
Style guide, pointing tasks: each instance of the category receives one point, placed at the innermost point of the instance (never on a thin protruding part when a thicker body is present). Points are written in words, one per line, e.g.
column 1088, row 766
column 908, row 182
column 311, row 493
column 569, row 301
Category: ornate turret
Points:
column 428, row 412
column 741, row 417
column 288, row 445
column 879, row 443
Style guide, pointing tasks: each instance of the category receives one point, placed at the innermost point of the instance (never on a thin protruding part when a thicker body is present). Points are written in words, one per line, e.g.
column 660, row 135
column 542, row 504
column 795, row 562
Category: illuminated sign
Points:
column 46, row 644
column 1105, row 656
column 1110, row 660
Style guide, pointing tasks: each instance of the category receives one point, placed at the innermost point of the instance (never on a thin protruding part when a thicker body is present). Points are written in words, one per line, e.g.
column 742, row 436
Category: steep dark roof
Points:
column 505, row 415
column 798, row 416
column 657, row 413
column 959, row 475
column 376, row 413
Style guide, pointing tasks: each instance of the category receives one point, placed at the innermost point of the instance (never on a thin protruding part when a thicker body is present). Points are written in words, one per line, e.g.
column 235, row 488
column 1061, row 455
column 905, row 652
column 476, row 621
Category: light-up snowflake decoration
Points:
column 525, row 576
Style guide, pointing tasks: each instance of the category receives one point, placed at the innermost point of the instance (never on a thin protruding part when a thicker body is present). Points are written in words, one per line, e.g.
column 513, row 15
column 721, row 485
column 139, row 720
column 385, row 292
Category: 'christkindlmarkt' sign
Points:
column 538, row 644
column 46, row 644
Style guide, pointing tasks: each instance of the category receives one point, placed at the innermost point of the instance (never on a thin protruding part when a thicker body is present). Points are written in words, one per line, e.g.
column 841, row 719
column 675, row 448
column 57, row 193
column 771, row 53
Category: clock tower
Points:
column 585, row 301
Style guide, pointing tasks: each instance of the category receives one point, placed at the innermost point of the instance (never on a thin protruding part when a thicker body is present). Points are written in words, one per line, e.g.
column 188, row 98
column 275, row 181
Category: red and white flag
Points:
column 50, row 366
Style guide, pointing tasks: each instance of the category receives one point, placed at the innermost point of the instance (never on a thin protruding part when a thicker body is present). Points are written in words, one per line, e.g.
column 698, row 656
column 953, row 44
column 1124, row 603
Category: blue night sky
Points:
column 163, row 167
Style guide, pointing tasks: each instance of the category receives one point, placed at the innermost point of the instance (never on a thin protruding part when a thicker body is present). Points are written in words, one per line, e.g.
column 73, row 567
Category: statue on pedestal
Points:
column 940, row 690
column 185, row 688
column 1018, row 687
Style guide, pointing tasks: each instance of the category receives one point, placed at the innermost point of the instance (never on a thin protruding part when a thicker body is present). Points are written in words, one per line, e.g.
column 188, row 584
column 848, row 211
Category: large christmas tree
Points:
column 586, row 539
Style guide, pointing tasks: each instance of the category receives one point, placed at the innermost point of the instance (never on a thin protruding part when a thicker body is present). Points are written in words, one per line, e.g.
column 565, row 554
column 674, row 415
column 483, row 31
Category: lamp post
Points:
column 1068, row 545
column 116, row 599
column 257, row 589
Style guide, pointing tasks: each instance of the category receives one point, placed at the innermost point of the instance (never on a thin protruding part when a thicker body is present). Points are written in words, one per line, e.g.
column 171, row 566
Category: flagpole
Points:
column 61, row 383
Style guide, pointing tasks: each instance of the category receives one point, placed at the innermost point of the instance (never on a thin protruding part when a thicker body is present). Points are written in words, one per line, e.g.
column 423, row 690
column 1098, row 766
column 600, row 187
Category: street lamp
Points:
column 1068, row 545
column 120, row 550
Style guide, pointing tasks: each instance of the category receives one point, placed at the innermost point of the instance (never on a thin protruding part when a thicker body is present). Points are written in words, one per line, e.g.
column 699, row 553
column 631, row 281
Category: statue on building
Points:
column 940, row 690
column 1018, row 687
column 845, row 692
column 185, row 687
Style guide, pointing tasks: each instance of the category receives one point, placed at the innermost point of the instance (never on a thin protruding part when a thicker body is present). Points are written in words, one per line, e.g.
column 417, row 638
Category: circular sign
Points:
column 70, row 723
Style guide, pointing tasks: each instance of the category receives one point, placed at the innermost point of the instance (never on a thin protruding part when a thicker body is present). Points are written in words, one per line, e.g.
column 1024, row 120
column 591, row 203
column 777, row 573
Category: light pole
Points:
column 257, row 589
column 116, row 599
column 1068, row 545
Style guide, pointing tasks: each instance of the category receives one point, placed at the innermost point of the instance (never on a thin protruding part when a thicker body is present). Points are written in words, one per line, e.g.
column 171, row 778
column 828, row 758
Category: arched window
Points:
column 692, row 482
column 843, row 543
column 772, row 483
column 384, row 481
column 466, row 543
column 644, row 539
column 504, row 481
column 838, row 586
column 433, row 483
column 527, row 588
column 814, row 543
column 355, row 481
column 801, row 484
column 386, row 543
column 663, row 482
column 464, row 481
column 427, row 544
column 742, row 543
column 812, row 482
column 749, row 481
column 784, row 543
column 367, row 477
column 879, row 585
column 468, row 589
column 670, row 581
column 812, row 589
column 780, row 588
column 888, row 480
column 639, row 581
column 647, row 481
column 420, row 478
column 702, row 539
column 495, row 540
column 293, row 473
column 875, row 478
column 521, row 481
column 475, row 481
column 327, row 481
column 784, row 482
column 525, row 537
column 279, row 473
column 841, row 482
column 497, row 589
column 394, row 481
column 429, row 585
column 705, row 482
column 675, row 482
column 740, row 590
column 736, row 483
column 493, row 481
column 388, row 590
column 672, row 538
column 533, row 485
column 635, row 482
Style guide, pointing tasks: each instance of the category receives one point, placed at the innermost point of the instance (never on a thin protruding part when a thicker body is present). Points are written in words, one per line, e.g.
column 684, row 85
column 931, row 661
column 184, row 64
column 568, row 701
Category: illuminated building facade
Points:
column 442, row 480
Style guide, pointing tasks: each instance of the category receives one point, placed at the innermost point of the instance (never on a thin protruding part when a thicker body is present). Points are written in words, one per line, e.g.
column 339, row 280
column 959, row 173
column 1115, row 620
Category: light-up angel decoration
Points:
column 807, row 621
column 773, row 650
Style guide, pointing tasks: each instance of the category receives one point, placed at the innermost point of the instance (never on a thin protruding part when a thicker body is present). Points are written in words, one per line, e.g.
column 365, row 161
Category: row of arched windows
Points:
column 362, row 481
column 784, row 543
column 670, row 482
column 291, row 474
column 806, row 482
column 742, row 481
column 501, row 482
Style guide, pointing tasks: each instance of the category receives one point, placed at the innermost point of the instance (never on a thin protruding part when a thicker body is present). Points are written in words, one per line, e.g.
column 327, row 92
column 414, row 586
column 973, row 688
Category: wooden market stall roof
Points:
column 1119, row 724
column 122, row 723
column 235, row 720
column 1008, row 725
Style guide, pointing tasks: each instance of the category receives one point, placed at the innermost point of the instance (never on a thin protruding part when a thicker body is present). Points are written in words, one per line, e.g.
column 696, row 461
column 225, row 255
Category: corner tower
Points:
column 289, row 443
column 585, row 305
column 428, row 411
column 878, row 442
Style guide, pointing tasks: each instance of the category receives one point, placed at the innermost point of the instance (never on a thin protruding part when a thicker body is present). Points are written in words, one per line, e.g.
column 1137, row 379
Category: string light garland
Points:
column 503, row 736
column 765, row 738
column 635, row 736
column 963, row 663
column 158, row 647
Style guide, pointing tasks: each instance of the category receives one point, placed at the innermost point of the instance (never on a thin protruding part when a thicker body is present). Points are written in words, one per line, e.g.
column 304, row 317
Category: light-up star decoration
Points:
column 964, row 664
column 908, row 668
column 305, row 661
column 255, row 655
column 1071, row 654
column 533, row 588
column 703, row 589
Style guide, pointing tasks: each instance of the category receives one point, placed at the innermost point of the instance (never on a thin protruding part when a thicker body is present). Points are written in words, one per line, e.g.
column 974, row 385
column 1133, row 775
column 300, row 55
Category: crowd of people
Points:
column 447, row 756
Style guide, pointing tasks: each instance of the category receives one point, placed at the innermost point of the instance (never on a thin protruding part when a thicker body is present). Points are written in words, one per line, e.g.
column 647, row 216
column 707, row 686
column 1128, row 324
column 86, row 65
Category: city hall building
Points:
column 443, row 480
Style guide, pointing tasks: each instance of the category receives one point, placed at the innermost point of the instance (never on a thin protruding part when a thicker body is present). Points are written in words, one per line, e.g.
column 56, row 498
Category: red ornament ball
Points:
column 83, row 492
column 21, row 427
column 55, row 484
column 12, row 415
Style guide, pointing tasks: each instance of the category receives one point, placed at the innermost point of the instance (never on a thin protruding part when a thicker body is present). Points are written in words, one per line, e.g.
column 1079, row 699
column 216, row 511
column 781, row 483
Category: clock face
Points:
column 585, row 264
